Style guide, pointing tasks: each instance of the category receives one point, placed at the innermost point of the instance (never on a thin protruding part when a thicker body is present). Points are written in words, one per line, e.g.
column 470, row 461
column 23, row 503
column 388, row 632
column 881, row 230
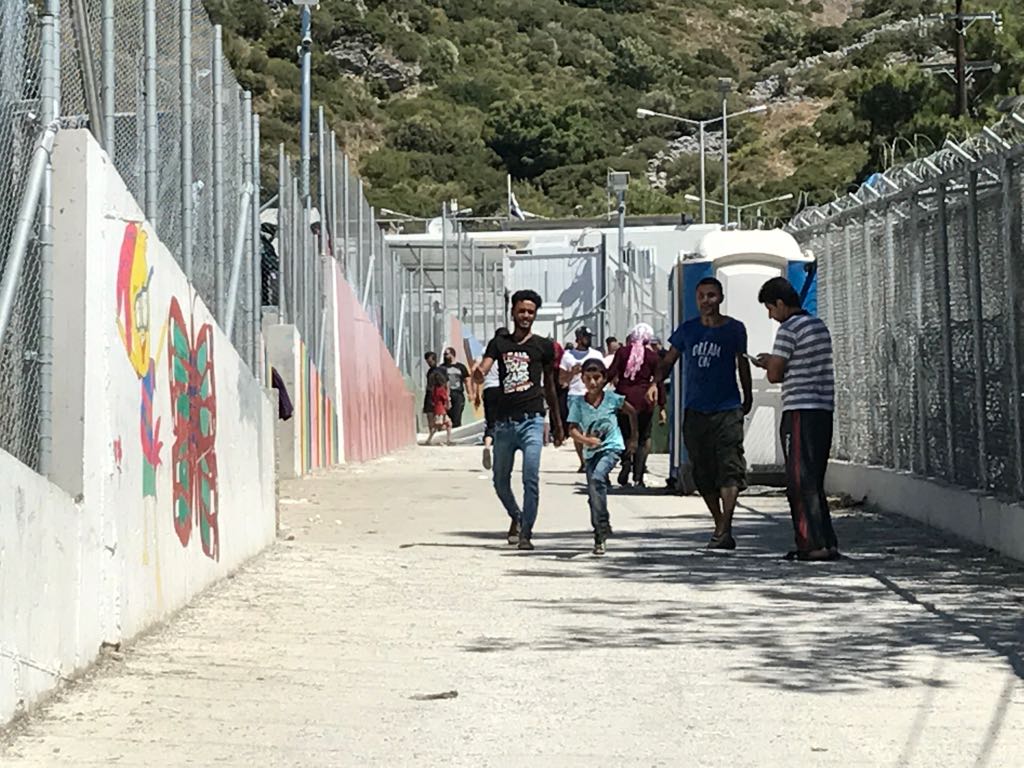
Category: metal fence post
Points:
column 305, row 56
column 284, row 252
column 917, row 270
column 334, row 196
column 49, row 95
column 152, row 136
column 295, row 230
column 1011, row 229
column 345, row 219
column 218, row 172
column 942, row 238
column 257, row 255
column 444, row 257
column 107, row 74
column 185, row 74
column 458, row 270
column 360, row 278
column 972, row 250
column 245, row 335
column 472, row 287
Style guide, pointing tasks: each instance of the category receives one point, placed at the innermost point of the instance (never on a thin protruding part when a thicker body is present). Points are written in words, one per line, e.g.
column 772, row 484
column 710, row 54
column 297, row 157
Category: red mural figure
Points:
column 194, row 413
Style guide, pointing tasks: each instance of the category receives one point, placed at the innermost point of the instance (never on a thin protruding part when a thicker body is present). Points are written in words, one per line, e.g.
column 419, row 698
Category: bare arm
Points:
column 551, row 395
column 774, row 365
column 482, row 369
column 743, row 366
column 656, row 392
column 578, row 437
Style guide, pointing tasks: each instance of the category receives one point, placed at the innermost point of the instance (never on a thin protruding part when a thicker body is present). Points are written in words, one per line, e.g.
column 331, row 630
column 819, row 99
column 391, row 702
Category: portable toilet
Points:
column 742, row 261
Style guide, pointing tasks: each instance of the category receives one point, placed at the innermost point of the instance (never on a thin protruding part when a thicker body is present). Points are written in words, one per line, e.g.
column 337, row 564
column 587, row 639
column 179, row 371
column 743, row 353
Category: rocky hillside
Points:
column 439, row 99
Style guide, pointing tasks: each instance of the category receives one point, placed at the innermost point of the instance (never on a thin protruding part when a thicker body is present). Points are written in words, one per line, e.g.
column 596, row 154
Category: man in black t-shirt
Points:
column 457, row 376
column 526, row 376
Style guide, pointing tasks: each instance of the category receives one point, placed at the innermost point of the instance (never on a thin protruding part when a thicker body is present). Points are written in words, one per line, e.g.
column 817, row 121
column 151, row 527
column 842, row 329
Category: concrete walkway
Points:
column 345, row 645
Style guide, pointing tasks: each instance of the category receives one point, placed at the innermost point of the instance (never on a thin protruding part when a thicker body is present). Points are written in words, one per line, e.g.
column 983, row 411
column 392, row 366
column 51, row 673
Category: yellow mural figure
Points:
column 133, row 316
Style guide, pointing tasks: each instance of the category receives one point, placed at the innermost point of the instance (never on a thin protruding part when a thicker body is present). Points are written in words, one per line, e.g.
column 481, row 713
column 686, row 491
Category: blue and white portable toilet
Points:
column 742, row 261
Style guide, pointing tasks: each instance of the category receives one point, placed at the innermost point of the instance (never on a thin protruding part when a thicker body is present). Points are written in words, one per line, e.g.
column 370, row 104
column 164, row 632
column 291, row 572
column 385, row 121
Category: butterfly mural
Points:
column 194, row 417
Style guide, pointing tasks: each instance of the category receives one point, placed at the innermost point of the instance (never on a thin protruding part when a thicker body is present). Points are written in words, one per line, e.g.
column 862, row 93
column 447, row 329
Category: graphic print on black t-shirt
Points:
column 520, row 373
column 517, row 372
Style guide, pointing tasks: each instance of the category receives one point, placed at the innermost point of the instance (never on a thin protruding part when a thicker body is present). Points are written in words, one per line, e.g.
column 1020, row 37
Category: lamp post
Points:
column 701, row 130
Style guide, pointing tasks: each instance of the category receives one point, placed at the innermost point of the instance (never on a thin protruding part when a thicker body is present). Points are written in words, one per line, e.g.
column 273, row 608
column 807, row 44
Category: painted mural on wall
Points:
column 133, row 325
column 194, row 415
column 318, row 420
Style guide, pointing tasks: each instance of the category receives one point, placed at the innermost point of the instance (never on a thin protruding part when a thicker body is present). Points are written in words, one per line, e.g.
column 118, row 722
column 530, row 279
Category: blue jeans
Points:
column 599, row 467
column 526, row 436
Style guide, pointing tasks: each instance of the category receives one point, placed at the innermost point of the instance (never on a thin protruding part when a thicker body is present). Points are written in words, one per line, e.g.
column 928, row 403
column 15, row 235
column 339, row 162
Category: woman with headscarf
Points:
column 633, row 370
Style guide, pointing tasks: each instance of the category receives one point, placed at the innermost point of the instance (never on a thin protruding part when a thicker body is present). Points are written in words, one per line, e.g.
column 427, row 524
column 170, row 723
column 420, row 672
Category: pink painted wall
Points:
column 377, row 410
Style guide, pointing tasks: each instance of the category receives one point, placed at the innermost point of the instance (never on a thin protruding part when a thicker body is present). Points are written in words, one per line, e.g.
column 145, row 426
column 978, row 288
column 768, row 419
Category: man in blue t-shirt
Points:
column 713, row 347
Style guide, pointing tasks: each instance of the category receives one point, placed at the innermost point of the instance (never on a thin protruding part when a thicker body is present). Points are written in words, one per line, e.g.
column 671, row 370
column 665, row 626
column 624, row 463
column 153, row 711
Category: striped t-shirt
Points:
column 804, row 342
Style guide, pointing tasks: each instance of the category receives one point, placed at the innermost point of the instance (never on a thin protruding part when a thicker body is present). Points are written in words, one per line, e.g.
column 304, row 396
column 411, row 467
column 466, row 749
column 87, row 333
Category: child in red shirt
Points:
column 441, row 400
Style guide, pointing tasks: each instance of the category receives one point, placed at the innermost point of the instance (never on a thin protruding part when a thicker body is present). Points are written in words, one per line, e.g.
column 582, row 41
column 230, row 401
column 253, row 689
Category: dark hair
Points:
column 526, row 295
column 428, row 355
column 452, row 350
column 779, row 289
column 611, row 340
column 593, row 364
column 713, row 281
column 437, row 378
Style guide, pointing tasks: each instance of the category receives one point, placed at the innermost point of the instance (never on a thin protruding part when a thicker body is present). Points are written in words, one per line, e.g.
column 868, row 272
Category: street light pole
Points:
column 703, row 182
column 724, row 85
column 702, row 128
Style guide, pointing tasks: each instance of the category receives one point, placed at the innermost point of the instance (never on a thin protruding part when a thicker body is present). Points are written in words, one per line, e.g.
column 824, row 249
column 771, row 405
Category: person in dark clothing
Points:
column 269, row 264
column 633, row 371
column 526, row 375
column 487, row 395
column 430, row 358
column 457, row 374
column 802, row 362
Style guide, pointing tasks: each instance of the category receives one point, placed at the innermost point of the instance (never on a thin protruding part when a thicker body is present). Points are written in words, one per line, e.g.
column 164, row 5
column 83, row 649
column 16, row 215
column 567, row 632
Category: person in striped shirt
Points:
column 802, row 362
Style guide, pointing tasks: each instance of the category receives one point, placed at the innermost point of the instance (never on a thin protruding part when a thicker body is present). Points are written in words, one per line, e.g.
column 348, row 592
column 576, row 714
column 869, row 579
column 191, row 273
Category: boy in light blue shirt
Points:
column 594, row 425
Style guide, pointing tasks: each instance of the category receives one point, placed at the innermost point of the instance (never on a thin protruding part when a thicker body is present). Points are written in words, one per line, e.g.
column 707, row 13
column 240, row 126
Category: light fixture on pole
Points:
column 702, row 128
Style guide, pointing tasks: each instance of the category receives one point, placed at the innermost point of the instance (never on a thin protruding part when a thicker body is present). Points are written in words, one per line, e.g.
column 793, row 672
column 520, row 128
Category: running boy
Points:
column 594, row 426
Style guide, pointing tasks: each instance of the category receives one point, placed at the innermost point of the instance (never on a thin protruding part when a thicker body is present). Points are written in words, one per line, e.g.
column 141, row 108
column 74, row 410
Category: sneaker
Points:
column 524, row 543
column 599, row 548
column 513, row 532
column 487, row 457
column 582, row 470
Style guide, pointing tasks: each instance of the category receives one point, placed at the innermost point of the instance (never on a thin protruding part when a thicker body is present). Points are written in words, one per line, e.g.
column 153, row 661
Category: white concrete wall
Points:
column 982, row 519
column 118, row 558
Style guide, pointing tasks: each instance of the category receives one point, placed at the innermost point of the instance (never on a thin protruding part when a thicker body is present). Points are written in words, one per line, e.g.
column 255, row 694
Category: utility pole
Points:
column 960, row 41
column 962, row 68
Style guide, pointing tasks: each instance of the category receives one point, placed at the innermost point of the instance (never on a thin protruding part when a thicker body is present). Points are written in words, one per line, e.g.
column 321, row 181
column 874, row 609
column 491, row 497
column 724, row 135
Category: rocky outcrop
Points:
column 373, row 62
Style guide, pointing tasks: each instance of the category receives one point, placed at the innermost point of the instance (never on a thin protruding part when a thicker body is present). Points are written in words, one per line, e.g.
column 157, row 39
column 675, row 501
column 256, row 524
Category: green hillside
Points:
column 439, row 99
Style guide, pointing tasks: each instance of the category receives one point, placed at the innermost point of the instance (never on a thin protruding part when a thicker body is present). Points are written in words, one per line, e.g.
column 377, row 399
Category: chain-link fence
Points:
column 920, row 281
column 20, row 127
column 150, row 80
column 336, row 221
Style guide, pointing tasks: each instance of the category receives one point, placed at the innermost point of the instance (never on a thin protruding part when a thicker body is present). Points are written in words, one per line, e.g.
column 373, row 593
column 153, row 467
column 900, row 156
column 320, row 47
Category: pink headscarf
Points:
column 638, row 339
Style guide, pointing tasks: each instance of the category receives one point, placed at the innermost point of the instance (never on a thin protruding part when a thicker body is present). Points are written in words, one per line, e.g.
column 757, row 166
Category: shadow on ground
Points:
column 858, row 623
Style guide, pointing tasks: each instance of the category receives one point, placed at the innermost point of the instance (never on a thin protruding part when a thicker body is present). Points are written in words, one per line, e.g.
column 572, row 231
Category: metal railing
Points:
column 920, row 281
column 149, row 79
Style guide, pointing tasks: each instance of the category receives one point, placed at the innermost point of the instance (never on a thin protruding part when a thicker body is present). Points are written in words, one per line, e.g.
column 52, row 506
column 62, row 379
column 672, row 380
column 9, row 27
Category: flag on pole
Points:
column 513, row 207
